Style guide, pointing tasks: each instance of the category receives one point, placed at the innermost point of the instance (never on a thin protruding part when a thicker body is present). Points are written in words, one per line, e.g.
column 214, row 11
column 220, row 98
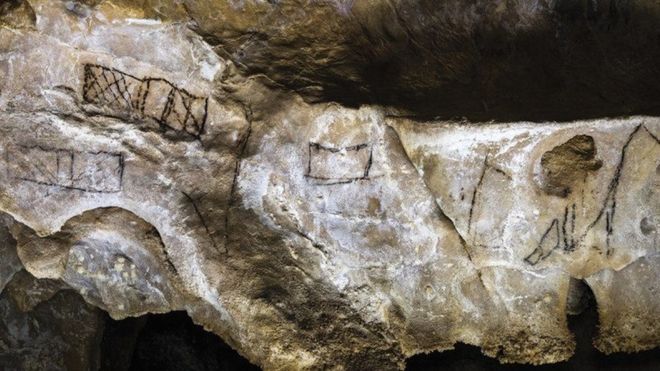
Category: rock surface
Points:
column 43, row 327
column 151, row 163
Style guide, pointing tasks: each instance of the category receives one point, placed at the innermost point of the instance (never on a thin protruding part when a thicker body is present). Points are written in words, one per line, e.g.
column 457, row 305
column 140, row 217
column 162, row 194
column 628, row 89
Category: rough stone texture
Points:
column 628, row 306
column 498, row 184
column 10, row 261
column 42, row 328
column 482, row 59
column 147, row 167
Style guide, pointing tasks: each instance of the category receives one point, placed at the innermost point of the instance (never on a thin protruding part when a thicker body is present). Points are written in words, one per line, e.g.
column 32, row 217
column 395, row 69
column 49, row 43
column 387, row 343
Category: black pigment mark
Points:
column 168, row 260
column 237, row 169
column 327, row 180
column 314, row 244
column 182, row 111
column 607, row 211
column 500, row 171
column 568, row 234
column 563, row 228
column 37, row 163
column 336, row 150
column 369, row 163
column 609, row 205
column 476, row 191
column 193, row 202
column 65, row 88
column 572, row 246
column 539, row 253
column 652, row 135
column 564, row 236
column 309, row 159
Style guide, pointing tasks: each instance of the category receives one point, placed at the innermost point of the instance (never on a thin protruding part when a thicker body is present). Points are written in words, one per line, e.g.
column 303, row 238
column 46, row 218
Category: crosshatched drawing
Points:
column 147, row 98
column 330, row 165
column 96, row 172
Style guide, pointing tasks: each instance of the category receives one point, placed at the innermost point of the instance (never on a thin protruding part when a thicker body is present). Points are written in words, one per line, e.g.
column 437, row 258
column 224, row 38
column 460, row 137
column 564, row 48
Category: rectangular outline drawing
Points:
column 71, row 156
column 332, row 181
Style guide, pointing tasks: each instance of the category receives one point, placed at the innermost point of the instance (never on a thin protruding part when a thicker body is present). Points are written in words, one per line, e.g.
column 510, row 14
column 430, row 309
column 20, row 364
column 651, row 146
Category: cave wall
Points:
column 335, row 184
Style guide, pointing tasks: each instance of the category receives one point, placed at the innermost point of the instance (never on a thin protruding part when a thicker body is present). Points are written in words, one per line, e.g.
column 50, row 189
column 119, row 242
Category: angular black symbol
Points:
column 330, row 165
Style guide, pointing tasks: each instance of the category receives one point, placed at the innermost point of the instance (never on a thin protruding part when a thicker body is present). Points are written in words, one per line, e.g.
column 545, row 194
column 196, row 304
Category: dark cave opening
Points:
column 163, row 342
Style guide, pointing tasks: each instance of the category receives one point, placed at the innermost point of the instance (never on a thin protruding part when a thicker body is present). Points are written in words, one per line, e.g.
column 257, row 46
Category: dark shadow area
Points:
column 483, row 60
column 586, row 358
column 163, row 342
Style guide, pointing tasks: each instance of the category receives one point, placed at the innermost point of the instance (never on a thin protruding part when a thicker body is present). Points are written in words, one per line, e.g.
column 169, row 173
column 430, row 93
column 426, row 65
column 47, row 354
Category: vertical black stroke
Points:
column 476, row 192
column 609, row 205
column 199, row 215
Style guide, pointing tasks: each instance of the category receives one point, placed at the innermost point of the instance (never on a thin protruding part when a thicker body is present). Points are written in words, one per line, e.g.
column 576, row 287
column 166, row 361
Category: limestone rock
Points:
column 628, row 306
column 17, row 13
column 147, row 170
column 97, row 254
column 520, row 198
column 10, row 261
column 498, row 184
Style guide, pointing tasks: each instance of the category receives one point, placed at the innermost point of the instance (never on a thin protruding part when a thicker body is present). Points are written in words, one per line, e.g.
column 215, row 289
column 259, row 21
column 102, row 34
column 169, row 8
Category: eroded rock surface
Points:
column 44, row 327
column 148, row 171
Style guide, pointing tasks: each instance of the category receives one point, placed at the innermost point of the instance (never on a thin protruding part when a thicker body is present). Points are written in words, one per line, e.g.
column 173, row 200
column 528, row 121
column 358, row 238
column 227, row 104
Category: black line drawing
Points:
column 157, row 99
column 476, row 192
column 542, row 251
column 606, row 212
column 555, row 237
column 194, row 203
column 475, row 204
column 655, row 137
column 609, row 205
column 569, row 234
column 242, row 146
column 95, row 172
column 356, row 160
